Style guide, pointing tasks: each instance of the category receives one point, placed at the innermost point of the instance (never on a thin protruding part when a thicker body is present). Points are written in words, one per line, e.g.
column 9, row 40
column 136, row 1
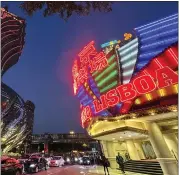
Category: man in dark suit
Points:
column 120, row 161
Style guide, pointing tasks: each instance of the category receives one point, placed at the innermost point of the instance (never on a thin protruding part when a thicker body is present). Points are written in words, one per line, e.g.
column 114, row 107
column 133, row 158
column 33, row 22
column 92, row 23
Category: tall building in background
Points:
column 16, row 115
column 29, row 115
column 12, row 39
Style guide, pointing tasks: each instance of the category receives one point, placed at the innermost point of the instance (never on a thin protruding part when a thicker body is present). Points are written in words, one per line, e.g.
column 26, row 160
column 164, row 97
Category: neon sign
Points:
column 86, row 115
column 90, row 61
column 141, row 85
column 127, row 92
column 157, row 75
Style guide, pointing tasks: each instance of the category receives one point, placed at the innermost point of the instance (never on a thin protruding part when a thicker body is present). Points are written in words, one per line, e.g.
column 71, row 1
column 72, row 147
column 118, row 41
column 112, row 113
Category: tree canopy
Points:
column 65, row 9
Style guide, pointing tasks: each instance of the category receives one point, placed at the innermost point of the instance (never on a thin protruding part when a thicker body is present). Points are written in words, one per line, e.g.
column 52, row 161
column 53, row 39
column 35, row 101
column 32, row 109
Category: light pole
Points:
column 72, row 133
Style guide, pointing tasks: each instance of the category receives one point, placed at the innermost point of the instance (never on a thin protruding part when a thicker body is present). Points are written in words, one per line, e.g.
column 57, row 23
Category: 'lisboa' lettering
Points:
column 140, row 85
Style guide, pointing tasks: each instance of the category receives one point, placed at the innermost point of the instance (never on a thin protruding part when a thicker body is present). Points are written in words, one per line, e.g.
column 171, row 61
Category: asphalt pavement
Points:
column 66, row 170
column 79, row 170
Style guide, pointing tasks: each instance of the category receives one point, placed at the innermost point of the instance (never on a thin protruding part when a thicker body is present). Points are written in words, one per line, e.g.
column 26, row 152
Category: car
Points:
column 57, row 161
column 48, row 159
column 35, row 154
column 11, row 166
column 85, row 161
column 22, row 160
column 68, row 161
column 35, row 164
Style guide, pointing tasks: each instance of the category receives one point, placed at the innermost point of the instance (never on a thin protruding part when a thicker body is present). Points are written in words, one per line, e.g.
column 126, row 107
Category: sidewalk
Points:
column 100, row 170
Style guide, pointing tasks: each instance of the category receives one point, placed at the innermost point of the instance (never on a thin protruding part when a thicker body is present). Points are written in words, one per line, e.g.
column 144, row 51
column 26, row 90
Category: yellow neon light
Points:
column 149, row 97
column 137, row 101
column 162, row 92
column 175, row 88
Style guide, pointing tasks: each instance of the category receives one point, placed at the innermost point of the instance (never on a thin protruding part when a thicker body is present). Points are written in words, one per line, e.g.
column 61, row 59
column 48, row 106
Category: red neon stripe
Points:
column 167, row 58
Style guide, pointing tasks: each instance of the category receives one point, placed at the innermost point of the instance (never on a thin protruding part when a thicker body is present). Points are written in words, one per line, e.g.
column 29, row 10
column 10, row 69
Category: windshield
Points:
column 56, row 158
column 85, row 158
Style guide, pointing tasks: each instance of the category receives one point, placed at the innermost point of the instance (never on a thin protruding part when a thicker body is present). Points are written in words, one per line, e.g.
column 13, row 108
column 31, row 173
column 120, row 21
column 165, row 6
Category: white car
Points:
column 48, row 159
column 57, row 161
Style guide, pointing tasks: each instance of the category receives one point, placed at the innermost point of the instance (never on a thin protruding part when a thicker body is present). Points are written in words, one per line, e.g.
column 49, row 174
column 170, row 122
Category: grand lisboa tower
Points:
column 17, row 115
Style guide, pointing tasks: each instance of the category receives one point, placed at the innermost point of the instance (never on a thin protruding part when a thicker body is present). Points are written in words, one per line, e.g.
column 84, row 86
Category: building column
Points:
column 166, row 160
column 110, row 149
column 140, row 151
column 111, row 154
column 172, row 143
column 104, row 148
column 132, row 150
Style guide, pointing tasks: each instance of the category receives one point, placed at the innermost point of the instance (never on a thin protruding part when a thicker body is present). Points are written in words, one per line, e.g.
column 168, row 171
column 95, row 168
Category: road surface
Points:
column 66, row 170
column 80, row 170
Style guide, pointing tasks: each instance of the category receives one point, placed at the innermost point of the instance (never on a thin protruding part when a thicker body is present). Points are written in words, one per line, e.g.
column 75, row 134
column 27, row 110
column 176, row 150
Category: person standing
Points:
column 120, row 161
column 127, row 156
column 105, row 164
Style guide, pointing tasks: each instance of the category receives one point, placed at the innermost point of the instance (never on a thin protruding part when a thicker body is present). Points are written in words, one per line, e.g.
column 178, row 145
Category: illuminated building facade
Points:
column 16, row 120
column 12, row 39
column 16, row 114
column 128, row 94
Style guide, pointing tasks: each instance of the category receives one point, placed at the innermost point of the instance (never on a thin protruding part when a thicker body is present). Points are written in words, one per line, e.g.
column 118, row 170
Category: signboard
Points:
column 90, row 61
column 141, row 85
column 93, row 72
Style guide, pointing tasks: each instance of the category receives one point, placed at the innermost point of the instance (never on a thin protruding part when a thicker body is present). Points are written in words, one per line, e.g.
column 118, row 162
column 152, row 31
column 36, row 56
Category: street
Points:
column 80, row 170
column 66, row 170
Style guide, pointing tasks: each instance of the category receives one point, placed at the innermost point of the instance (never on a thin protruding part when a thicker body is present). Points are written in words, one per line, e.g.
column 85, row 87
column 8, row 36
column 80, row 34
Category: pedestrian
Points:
column 120, row 161
column 127, row 156
column 105, row 164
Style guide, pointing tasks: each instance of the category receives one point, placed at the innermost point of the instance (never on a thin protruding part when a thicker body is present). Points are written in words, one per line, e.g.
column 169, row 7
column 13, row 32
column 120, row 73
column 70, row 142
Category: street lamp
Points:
column 72, row 132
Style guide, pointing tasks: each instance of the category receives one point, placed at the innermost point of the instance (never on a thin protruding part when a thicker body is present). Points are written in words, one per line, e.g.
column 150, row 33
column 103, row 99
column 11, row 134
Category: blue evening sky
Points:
column 43, row 73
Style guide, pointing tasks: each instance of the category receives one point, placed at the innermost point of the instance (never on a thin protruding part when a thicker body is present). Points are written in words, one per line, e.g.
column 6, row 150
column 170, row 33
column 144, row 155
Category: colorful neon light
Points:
column 86, row 115
column 140, row 85
column 109, row 43
column 89, row 58
column 99, row 62
column 98, row 78
column 88, row 51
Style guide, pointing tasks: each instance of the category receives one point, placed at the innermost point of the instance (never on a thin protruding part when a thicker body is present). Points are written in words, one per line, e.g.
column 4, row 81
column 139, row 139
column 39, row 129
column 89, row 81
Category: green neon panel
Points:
column 109, row 61
column 111, row 75
column 108, row 87
column 111, row 67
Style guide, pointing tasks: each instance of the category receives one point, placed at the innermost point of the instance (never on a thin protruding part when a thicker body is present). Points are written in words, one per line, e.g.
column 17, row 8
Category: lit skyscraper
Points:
column 16, row 115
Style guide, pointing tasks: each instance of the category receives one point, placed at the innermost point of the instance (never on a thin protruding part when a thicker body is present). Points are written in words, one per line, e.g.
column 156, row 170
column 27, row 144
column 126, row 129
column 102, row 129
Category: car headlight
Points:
column 76, row 159
column 32, row 165
column 68, row 160
column 88, row 161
